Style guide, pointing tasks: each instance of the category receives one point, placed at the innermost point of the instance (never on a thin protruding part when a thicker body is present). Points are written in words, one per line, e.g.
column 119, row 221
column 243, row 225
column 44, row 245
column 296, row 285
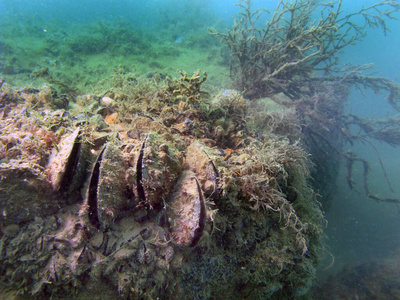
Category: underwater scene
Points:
column 199, row 149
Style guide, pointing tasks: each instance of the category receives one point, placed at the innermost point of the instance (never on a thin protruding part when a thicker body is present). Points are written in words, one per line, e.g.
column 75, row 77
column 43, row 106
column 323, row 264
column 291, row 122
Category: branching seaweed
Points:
column 295, row 50
column 292, row 43
column 264, row 182
column 66, row 86
column 187, row 89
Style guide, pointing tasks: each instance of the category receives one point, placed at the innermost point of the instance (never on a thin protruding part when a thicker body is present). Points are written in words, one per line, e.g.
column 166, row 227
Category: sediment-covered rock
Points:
column 154, row 204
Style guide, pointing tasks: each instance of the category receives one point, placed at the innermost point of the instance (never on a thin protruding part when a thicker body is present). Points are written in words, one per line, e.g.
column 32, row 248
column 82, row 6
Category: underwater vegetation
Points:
column 82, row 53
column 283, row 54
column 143, row 185
column 297, row 53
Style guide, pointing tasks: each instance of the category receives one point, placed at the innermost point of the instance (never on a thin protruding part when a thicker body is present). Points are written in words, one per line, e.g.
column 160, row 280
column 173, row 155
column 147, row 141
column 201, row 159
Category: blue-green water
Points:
column 83, row 41
column 361, row 229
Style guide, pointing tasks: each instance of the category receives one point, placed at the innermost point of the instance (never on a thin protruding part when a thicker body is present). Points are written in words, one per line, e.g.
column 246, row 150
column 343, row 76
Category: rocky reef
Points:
column 150, row 189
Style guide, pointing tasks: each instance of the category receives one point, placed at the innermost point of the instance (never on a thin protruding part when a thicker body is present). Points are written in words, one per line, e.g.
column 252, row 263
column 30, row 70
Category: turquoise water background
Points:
column 358, row 228
column 361, row 229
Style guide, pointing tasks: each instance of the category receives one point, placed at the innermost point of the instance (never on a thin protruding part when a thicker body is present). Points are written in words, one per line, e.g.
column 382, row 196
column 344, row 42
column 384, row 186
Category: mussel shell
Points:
column 157, row 170
column 186, row 210
column 112, row 188
column 63, row 160
column 107, row 193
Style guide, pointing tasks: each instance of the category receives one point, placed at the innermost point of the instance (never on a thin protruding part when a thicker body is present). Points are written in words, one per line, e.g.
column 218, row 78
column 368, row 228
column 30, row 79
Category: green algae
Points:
column 85, row 53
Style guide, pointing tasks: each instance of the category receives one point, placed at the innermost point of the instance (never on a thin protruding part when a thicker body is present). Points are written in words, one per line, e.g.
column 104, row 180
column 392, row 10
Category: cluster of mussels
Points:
column 152, row 212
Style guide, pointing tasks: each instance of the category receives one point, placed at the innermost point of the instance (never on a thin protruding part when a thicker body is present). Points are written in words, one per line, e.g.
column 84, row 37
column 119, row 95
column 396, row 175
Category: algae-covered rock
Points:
column 25, row 193
column 149, row 210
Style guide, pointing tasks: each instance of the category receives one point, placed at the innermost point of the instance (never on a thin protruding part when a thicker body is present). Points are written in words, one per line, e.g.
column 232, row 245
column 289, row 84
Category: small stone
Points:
column 97, row 239
column 163, row 148
column 98, row 121
column 11, row 230
column 140, row 215
column 107, row 101
column 146, row 233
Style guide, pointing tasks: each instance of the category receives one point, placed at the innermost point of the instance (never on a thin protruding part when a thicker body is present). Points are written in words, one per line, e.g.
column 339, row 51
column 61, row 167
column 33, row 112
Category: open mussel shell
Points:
column 112, row 188
column 63, row 160
column 187, row 211
column 67, row 165
column 107, row 194
column 157, row 169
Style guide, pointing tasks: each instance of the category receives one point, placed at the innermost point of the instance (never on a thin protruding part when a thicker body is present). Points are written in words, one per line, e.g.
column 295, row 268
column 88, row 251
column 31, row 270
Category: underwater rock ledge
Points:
column 175, row 196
